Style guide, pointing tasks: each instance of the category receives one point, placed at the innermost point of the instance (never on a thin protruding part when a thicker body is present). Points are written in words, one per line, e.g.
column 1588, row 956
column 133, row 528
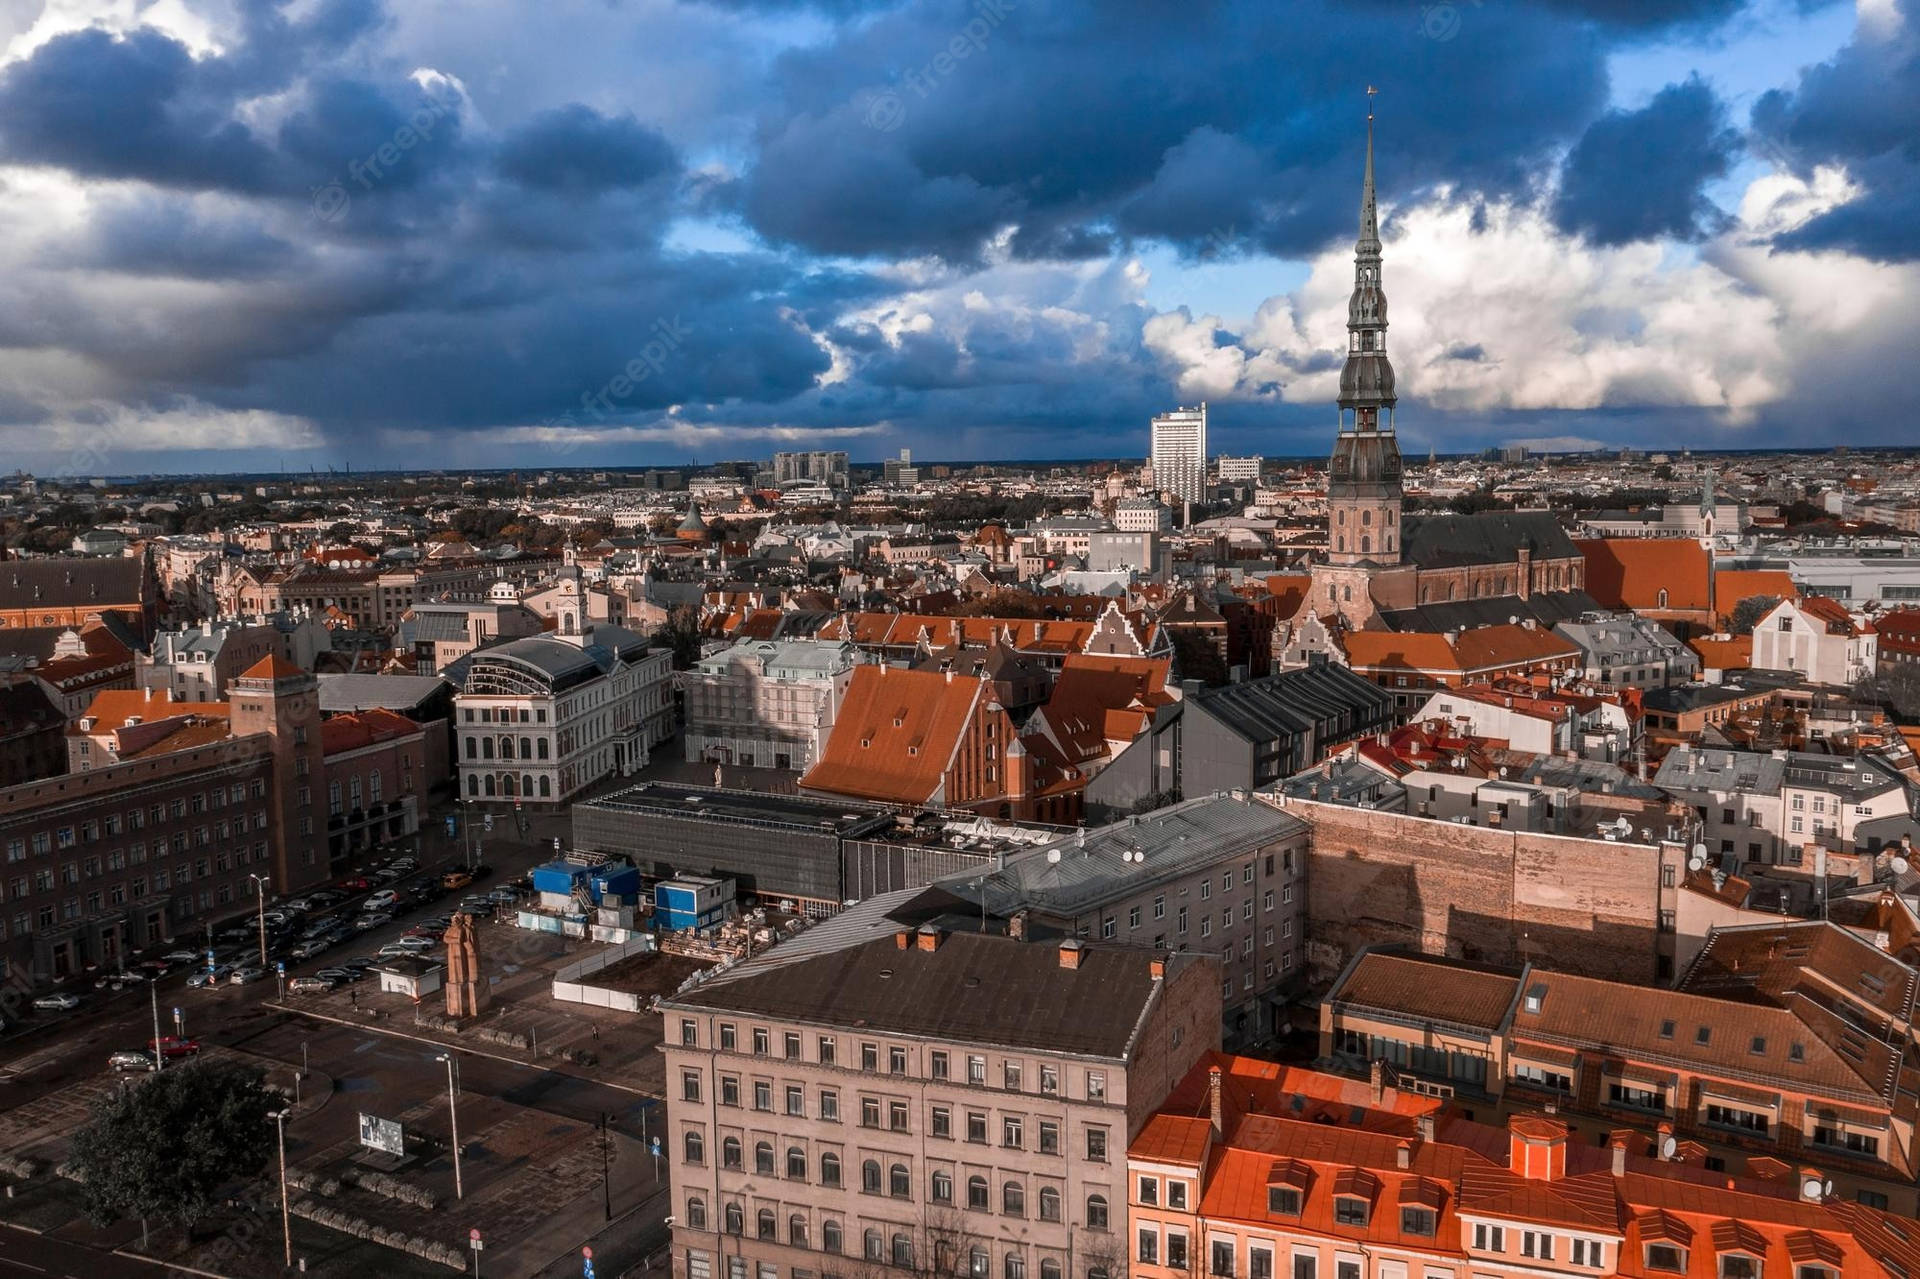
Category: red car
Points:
column 358, row 884
column 172, row 1046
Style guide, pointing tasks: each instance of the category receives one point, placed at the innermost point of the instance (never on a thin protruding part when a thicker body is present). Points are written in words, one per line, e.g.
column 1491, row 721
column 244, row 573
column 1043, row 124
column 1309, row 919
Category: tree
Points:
column 162, row 1150
column 1748, row 612
column 681, row 633
column 1895, row 686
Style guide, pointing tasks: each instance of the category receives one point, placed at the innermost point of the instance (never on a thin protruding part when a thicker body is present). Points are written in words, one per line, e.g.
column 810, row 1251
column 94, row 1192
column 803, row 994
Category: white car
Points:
column 61, row 1003
column 372, row 919
column 381, row 900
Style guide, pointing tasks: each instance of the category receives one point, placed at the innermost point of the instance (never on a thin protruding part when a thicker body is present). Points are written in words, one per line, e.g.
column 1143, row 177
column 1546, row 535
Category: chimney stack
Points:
column 1424, row 1125
column 1403, row 1154
column 1377, row 1080
column 1157, row 968
column 1619, row 1157
column 902, row 939
column 930, row 937
column 1017, row 925
column 1071, row 952
column 1215, row 1108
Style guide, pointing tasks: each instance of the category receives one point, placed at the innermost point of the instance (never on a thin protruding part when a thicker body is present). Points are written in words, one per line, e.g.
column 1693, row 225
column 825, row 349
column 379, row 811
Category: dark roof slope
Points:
column 1548, row 608
column 73, row 583
column 1291, row 702
column 1492, row 537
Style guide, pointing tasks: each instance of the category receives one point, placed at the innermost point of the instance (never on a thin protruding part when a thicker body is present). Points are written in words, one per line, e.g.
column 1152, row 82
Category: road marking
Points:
column 22, row 1265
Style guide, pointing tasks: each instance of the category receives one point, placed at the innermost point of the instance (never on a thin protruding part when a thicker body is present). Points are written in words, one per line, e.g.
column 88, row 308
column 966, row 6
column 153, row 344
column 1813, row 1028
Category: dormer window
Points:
column 1668, row 1257
column 1283, row 1201
column 1349, row 1210
column 1739, row 1265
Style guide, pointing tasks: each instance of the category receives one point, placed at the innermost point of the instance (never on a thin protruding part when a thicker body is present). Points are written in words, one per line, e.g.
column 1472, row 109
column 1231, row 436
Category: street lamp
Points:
column 260, row 891
column 606, row 1180
column 279, row 1118
column 159, row 1057
column 453, row 1120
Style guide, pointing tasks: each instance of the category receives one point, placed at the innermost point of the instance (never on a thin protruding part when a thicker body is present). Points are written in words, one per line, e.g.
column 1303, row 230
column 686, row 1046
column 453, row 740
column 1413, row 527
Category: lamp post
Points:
column 279, row 1118
column 453, row 1121
column 606, row 1178
column 159, row 1058
column 260, row 891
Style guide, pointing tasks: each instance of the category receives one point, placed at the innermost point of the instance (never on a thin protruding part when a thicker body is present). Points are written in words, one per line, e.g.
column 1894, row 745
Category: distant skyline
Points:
column 333, row 231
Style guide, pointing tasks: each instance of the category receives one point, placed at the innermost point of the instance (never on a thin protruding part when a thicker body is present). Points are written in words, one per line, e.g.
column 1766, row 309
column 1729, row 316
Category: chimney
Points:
column 1215, row 1108
column 1403, row 1154
column 1377, row 1080
column 1157, row 968
column 1070, row 952
column 1813, row 1187
column 1017, row 925
column 902, row 939
column 930, row 937
column 1619, row 1157
column 1424, row 1125
column 1663, row 1144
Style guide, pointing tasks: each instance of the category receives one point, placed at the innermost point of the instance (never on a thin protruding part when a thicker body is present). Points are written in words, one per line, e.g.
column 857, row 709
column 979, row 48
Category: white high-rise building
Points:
column 1180, row 453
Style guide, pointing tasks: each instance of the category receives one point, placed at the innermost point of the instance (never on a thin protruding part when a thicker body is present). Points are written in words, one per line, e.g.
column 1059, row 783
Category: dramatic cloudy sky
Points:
column 244, row 233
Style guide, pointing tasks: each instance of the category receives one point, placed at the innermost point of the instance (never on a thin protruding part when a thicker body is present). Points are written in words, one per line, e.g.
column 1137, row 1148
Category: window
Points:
column 1222, row 1259
column 763, row 1224
column 870, row 1176
column 977, row 1070
column 1096, row 1085
column 1535, row 1243
column 869, row 1057
column 1097, row 1145
column 1733, row 1117
column 694, row 1148
column 697, row 1213
column 899, row 1184
column 690, row 1085
column 938, row 1064
column 1417, row 1221
column 876, row 1246
column 977, row 1265
column 1177, row 1251
column 977, row 1126
column 762, row 1095
column 796, row 1100
column 796, row 1164
column 1305, row 1265
column 797, row 1230
column 830, row 1170
column 1049, row 1203
column 1541, row 1077
column 1010, row 1076
column 1176, row 1194
column 1623, row 1094
column 826, row 1050
column 791, row 1042
column 831, row 1239
column 896, row 1061
column 897, row 1116
column 1259, row 1263
column 942, row 1192
column 727, row 1043
column 736, row 1219
column 1738, row 1265
column 1049, row 1137
column 942, row 1121
column 1590, row 1252
column 1096, row 1212
column 830, row 1105
column 762, row 1041
column 977, row 1193
column 869, row 1112
column 1351, row 1211
column 902, row 1252
column 1149, row 1246
column 1841, row 1139
column 763, row 1158
column 1013, row 1199
column 1665, row 1256
column 1489, row 1238
column 1010, row 1133
column 1149, row 1190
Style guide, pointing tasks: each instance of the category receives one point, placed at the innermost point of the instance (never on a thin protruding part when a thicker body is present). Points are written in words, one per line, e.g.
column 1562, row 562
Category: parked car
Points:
column 246, row 973
column 356, row 883
column 504, row 896
column 173, row 1047
column 393, row 950
column 455, row 879
column 301, row 904
column 405, row 865
column 419, row 945
column 216, row 976
column 57, row 1003
column 480, row 870
column 183, row 957
column 372, row 919
column 307, row 949
column 381, row 900
column 314, row 985
column 129, row 1059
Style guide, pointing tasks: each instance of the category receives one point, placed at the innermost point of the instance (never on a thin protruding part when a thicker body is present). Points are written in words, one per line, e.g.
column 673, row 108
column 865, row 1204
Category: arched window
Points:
column 977, row 1262
column 696, row 1148
column 1096, row 1212
column 696, row 1213
column 543, row 747
column 1049, row 1268
column 902, row 1252
column 763, row 1223
column 526, row 748
column 797, row 1230
column 943, row 1187
column 1366, row 517
column 506, row 748
column 763, row 1158
column 899, row 1184
column 526, row 785
column 830, row 1240
column 736, row 1219
column 830, row 1169
column 473, row 785
column 870, row 1176
column 1663, row 597
column 1013, row 1199
column 486, row 748
column 876, row 1245
column 506, row 785
column 546, row 787
column 1346, row 593
column 796, row 1164
column 1340, row 543
column 1016, row 1266
column 1049, row 1203
column 1366, row 544
column 473, row 749
column 977, row 1193
column 730, row 1152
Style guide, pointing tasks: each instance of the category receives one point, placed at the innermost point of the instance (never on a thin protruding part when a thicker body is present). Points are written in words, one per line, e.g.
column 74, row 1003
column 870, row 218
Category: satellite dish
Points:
column 1667, row 1146
column 1899, row 865
column 1696, row 862
column 1699, row 852
column 1826, row 1191
column 1811, row 1188
column 1053, row 855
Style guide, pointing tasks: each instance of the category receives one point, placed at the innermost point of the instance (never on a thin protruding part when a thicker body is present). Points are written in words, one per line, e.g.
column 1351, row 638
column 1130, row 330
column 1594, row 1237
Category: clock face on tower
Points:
column 1341, row 463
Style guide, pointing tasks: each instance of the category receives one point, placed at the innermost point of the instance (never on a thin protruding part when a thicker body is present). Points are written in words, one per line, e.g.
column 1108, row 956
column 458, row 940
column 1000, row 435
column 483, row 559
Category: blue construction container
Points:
column 693, row 901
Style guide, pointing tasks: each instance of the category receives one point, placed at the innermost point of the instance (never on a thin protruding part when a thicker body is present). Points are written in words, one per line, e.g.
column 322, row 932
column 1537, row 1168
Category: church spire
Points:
column 1369, row 241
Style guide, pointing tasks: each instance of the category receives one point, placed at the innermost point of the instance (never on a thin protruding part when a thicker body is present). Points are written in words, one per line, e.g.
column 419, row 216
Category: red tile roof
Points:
column 896, row 734
column 1632, row 572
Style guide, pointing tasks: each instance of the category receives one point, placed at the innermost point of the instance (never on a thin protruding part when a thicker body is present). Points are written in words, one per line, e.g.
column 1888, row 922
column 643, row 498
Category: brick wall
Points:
column 1501, row 897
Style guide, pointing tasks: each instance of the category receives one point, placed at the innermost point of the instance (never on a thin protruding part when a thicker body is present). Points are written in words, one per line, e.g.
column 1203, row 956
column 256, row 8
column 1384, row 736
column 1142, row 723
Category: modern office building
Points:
column 1179, row 453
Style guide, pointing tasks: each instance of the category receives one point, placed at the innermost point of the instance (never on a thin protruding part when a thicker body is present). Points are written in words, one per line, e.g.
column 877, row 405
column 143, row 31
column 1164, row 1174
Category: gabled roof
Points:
column 1632, row 572
column 74, row 583
column 896, row 735
column 1492, row 537
column 272, row 666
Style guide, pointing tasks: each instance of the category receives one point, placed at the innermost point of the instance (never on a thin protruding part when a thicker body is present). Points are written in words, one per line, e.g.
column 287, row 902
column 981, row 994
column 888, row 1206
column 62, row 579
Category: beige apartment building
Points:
column 897, row 1091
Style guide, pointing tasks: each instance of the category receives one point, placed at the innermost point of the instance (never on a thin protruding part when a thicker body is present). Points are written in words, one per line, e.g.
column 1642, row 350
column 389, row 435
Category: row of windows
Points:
column 71, row 874
column 114, row 824
column 877, row 1246
column 898, row 1061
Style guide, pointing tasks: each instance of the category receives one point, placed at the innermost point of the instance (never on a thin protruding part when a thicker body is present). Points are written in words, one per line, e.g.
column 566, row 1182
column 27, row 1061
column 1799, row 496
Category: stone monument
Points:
column 466, row 985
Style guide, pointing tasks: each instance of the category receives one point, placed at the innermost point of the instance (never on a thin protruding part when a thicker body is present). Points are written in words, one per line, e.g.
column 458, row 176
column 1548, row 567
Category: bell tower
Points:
column 1364, row 475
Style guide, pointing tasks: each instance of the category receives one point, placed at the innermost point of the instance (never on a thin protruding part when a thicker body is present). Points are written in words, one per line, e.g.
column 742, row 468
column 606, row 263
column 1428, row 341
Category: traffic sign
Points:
column 656, row 1146
column 487, row 825
column 586, row 1250
column 586, row 1271
column 474, row 1242
column 280, row 966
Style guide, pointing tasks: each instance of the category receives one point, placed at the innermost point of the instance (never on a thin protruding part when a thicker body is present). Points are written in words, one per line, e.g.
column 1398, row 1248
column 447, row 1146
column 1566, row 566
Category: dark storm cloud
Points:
column 1860, row 110
column 928, row 128
column 1640, row 175
column 579, row 150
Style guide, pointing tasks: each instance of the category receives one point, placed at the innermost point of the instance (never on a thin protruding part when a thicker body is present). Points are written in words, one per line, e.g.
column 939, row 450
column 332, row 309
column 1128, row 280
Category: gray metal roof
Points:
column 1091, row 868
column 1695, row 768
column 340, row 693
column 1291, row 702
